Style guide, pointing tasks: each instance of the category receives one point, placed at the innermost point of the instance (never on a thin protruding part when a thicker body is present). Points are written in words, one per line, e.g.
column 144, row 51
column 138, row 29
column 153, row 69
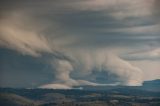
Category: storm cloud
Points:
column 103, row 39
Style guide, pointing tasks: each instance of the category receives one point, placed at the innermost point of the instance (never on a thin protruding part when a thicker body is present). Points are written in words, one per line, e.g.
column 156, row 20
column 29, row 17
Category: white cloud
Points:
column 18, row 33
column 131, row 75
column 150, row 68
column 55, row 86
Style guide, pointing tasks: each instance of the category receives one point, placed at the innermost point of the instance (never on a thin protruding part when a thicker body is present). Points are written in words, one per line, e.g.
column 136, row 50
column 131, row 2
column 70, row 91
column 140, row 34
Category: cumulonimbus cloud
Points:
column 78, row 60
column 16, row 36
column 87, row 62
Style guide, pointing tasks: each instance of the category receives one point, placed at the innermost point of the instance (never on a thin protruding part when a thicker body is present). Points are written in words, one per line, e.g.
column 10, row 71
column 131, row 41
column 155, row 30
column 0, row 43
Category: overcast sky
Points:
column 66, row 43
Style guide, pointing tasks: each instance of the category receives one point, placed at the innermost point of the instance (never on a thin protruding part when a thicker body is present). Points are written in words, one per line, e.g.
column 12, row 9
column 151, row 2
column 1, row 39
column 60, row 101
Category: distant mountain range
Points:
column 153, row 85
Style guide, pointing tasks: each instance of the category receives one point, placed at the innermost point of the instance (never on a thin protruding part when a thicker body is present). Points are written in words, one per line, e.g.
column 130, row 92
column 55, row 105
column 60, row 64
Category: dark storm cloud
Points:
column 76, row 37
column 156, row 8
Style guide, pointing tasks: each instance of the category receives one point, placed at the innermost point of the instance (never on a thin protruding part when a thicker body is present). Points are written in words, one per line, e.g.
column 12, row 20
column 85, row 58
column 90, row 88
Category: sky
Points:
column 67, row 43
